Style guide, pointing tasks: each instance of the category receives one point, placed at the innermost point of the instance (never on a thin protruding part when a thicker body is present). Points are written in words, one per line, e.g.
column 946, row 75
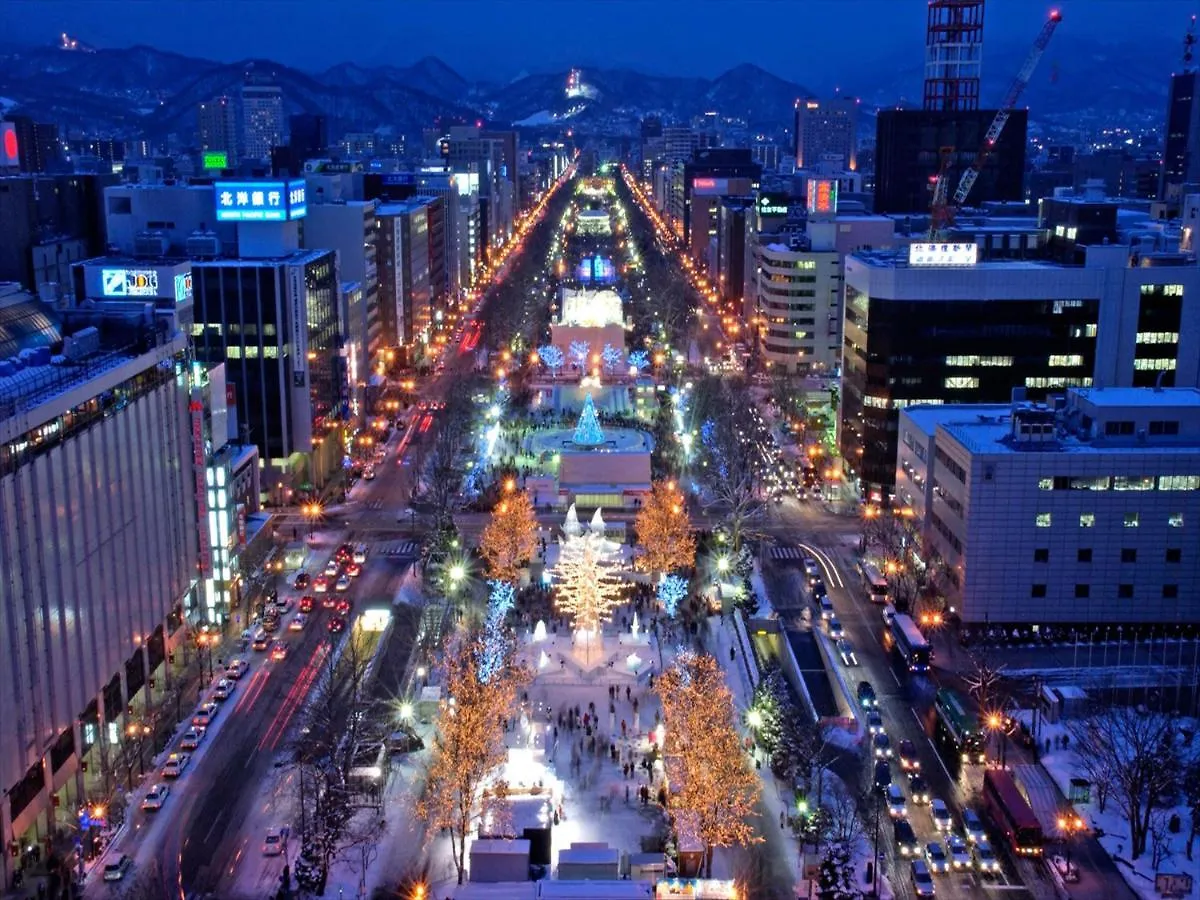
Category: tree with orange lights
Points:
column 510, row 538
column 717, row 791
column 664, row 531
column 468, row 747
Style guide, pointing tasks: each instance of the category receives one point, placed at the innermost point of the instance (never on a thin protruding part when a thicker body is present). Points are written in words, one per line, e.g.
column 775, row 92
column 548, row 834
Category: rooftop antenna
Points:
column 1189, row 43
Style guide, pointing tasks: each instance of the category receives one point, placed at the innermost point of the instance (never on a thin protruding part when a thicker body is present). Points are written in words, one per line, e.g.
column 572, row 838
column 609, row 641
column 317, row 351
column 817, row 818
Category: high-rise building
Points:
column 825, row 129
column 217, row 127
column 262, row 120
column 141, row 217
column 1085, row 511
column 37, row 144
column 909, row 150
column 710, row 176
column 679, row 143
column 797, row 304
column 1181, row 150
column 98, row 549
column 953, row 55
column 404, row 289
column 308, row 134
column 934, row 325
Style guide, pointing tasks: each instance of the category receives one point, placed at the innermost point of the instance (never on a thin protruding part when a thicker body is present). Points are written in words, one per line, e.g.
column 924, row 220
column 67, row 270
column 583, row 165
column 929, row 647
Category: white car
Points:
column 116, row 868
column 155, row 798
column 897, row 805
column 236, row 668
column 360, row 554
column 935, row 857
column 960, row 857
column 985, row 859
column 175, row 764
column 275, row 841
column 836, row 631
column 191, row 738
column 343, row 584
column 298, row 622
column 874, row 722
column 922, row 880
column 224, row 689
column 941, row 814
column 205, row 714
column 332, row 568
column 972, row 826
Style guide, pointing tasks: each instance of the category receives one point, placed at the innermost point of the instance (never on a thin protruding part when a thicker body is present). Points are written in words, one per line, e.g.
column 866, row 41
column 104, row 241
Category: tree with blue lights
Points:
column 613, row 358
column 495, row 644
column 671, row 591
column 587, row 430
column 579, row 351
column 552, row 357
column 639, row 360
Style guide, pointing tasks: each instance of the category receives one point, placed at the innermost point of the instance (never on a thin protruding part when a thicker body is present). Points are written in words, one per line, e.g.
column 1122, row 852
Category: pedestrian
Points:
column 622, row 728
column 626, row 795
column 782, row 818
column 628, row 693
column 635, row 706
column 732, row 654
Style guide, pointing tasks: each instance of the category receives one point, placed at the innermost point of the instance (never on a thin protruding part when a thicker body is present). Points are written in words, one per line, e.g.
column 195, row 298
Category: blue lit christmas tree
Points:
column 587, row 429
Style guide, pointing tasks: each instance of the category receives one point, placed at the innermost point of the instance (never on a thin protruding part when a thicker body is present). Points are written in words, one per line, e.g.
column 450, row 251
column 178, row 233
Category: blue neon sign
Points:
column 260, row 201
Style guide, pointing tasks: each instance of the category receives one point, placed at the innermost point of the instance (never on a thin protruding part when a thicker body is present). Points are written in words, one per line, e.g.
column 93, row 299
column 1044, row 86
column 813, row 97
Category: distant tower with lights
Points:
column 953, row 55
column 1181, row 150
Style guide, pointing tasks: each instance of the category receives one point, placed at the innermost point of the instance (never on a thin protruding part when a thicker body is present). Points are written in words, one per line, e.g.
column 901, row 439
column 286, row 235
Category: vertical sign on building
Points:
column 200, row 464
column 299, row 328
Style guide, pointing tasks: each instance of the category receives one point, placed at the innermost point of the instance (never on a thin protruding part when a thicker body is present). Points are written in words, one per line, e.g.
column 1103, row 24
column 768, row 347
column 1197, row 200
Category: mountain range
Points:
column 145, row 92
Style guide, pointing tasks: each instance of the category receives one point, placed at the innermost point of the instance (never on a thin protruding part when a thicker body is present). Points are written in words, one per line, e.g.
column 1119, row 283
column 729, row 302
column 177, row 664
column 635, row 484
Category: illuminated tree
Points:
column 588, row 432
column 496, row 642
column 469, row 745
column 613, row 358
column 510, row 538
column 664, row 532
column 579, row 351
column 639, row 360
column 552, row 357
column 717, row 789
column 671, row 591
column 585, row 583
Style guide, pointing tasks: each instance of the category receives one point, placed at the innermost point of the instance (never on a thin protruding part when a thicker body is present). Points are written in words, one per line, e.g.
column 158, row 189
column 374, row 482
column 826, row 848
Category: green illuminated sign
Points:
column 216, row 159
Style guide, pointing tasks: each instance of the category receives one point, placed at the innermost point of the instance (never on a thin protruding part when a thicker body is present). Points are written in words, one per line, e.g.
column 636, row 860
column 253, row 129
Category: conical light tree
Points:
column 586, row 587
column 587, row 430
column 716, row 788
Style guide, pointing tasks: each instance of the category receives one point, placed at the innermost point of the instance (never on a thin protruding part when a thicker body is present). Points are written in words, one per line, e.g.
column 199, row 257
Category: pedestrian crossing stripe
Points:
column 407, row 548
column 786, row 553
column 375, row 504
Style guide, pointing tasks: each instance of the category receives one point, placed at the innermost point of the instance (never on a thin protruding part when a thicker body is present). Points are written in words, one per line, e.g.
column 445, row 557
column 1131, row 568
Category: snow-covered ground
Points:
column 1063, row 765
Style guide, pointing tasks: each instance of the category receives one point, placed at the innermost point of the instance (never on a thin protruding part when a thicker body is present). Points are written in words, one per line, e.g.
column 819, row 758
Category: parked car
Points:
column 236, row 668
column 155, row 798
column 224, row 689
column 191, row 738
column 116, row 867
column 274, row 842
column 205, row 713
column 175, row 764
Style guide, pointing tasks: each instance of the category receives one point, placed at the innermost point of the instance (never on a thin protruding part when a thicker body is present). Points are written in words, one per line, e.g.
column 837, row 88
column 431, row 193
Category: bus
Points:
column 905, row 638
column 877, row 586
column 1011, row 813
column 956, row 730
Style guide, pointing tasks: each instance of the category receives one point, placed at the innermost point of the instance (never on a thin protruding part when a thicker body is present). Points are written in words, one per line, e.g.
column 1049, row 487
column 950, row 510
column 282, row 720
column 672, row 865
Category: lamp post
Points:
column 995, row 723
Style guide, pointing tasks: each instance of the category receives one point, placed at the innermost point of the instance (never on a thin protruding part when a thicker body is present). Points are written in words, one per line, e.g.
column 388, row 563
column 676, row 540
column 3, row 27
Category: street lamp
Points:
column 1069, row 825
column 995, row 723
column 723, row 564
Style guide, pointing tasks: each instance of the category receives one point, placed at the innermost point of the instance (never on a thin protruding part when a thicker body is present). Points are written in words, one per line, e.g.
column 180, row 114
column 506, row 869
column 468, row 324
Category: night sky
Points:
column 813, row 41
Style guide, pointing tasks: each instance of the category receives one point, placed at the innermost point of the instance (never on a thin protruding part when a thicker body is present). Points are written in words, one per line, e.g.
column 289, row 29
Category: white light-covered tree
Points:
column 639, row 360
column 551, row 357
column 614, row 358
column 586, row 587
column 578, row 351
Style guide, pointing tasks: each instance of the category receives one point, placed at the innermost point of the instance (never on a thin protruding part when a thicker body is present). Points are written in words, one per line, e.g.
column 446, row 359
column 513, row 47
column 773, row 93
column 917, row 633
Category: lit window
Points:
column 1045, row 484
column 1159, row 364
column 1179, row 482
column 959, row 382
column 1158, row 337
column 1133, row 483
column 1131, row 520
column 1175, row 520
column 1087, row 520
column 1066, row 359
column 1042, row 520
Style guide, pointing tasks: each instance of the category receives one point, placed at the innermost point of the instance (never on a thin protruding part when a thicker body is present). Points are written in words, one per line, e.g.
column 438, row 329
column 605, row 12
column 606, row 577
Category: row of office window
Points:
column 1128, row 520
column 1124, row 591
column 976, row 360
column 1128, row 555
column 1120, row 482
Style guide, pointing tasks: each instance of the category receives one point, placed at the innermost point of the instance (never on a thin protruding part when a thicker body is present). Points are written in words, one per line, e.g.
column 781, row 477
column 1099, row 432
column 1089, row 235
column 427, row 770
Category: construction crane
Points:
column 942, row 211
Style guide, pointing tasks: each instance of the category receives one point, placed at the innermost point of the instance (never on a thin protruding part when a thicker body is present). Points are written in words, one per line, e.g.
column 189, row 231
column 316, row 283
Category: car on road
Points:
column 882, row 746
column 918, row 790
column 343, row 552
column 897, row 806
column 359, row 554
column 935, row 857
column 941, row 814
column 846, row 652
column 279, row 650
column 908, row 757
column 302, row 581
column 224, row 689
column 972, row 826
column 307, row 602
column 175, row 764
column 836, row 631
column 336, row 625
column 155, row 798
column 298, row 622
column 812, row 570
column 261, row 640
column 866, row 695
column 960, row 857
column 342, row 608
column 883, row 775
column 236, row 668
column 354, row 569
column 115, row 868
column 826, row 606
column 907, row 844
column 342, row 584
column 281, row 603
column 274, row 841
column 205, row 713
column 874, row 722
column 320, row 584
column 369, row 474
column 922, row 880
column 332, row 568
column 985, row 860
column 191, row 738
column 328, row 601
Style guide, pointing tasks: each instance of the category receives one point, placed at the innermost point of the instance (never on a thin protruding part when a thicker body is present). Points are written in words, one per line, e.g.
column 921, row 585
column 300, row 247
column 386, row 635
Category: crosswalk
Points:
column 374, row 504
column 399, row 548
column 787, row 553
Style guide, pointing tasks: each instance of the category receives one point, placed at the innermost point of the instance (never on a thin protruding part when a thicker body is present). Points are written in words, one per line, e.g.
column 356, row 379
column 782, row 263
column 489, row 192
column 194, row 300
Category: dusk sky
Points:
column 805, row 40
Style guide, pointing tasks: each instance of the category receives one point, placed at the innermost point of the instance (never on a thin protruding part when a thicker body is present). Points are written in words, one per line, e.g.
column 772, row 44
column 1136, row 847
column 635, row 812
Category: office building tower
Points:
column 953, row 55
column 349, row 228
column 262, row 120
column 38, row 146
column 710, row 176
column 825, row 129
column 679, row 143
column 49, row 222
column 1083, row 511
column 1181, row 150
column 98, row 550
column 909, row 146
column 308, row 134
column 735, row 238
column 934, row 325
column 147, row 219
column 217, row 127
column 797, row 304
column 404, row 288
